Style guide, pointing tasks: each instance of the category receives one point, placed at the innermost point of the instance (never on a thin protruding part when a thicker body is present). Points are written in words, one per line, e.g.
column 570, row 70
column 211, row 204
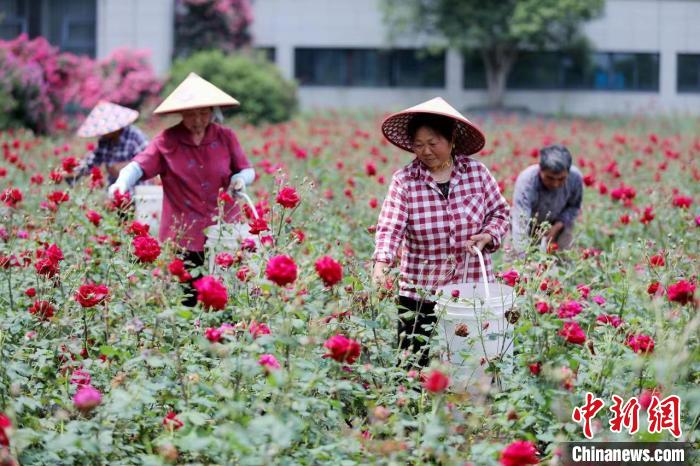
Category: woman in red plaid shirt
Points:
column 439, row 207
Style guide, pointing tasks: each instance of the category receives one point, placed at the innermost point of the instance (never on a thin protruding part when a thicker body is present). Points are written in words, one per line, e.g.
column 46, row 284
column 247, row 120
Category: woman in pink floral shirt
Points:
column 439, row 207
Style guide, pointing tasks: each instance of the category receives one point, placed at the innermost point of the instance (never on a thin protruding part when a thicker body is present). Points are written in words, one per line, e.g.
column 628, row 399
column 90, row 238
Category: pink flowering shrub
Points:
column 211, row 24
column 41, row 86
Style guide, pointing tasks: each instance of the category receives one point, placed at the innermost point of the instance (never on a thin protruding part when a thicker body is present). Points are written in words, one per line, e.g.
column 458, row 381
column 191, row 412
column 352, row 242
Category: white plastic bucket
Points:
column 228, row 237
column 482, row 307
column 225, row 238
column 148, row 200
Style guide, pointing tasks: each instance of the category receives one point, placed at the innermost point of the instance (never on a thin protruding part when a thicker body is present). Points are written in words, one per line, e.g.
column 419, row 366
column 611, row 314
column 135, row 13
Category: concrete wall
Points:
column 142, row 24
column 664, row 26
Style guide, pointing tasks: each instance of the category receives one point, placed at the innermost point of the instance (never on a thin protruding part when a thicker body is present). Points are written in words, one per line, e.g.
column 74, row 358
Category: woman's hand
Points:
column 379, row 273
column 479, row 241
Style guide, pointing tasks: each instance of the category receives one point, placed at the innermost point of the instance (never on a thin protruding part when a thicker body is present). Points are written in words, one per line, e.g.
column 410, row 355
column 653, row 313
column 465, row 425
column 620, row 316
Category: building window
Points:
column 268, row 53
column 562, row 70
column 369, row 67
column 68, row 24
column 13, row 19
column 688, row 72
column 474, row 71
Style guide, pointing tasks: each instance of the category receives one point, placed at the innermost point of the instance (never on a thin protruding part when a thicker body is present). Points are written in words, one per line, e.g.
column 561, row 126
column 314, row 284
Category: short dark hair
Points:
column 555, row 158
column 442, row 125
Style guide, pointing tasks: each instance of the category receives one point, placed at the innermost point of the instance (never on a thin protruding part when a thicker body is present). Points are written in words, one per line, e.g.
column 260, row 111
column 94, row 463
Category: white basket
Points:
column 148, row 200
column 482, row 308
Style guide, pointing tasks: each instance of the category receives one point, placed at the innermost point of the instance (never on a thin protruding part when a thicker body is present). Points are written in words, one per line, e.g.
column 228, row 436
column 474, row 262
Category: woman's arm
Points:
column 496, row 220
column 391, row 228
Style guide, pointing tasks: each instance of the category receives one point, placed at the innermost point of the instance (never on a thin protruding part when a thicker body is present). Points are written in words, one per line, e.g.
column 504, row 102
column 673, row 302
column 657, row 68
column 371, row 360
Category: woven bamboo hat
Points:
column 195, row 92
column 468, row 137
column 106, row 118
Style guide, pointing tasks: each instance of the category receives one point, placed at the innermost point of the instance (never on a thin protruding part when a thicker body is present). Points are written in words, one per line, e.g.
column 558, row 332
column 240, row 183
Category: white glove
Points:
column 128, row 177
column 242, row 179
column 117, row 186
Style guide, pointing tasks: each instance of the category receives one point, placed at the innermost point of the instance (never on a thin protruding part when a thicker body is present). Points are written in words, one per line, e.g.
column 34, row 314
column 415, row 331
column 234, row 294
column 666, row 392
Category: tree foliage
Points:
column 497, row 29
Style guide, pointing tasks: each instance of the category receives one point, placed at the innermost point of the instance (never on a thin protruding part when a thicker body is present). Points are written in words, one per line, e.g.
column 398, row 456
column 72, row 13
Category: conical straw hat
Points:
column 468, row 139
column 106, row 118
column 195, row 92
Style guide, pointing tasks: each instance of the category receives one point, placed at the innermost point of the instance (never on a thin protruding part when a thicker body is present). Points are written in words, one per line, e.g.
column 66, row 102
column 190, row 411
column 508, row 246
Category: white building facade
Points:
column 95, row 27
column 646, row 57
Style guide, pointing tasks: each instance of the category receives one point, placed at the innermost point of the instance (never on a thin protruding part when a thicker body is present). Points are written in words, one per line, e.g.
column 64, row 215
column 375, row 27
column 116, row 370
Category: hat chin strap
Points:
column 216, row 115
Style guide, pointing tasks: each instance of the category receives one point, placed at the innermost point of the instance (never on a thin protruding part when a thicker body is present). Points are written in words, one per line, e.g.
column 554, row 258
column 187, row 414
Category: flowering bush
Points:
column 290, row 355
column 40, row 85
column 211, row 24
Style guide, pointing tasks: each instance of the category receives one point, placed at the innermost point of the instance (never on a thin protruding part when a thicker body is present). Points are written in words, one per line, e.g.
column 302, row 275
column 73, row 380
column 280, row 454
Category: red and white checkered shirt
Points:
column 434, row 230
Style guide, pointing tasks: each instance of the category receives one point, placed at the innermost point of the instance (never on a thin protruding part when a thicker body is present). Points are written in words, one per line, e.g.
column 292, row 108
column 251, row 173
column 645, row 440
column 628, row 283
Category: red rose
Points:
column 682, row 202
column 330, row 271
column 177, row 268
column 519, row 453
column 58, row 197
column 648, row 215
column 258, row 225
column 681, row 292
column 43, row 309
column 654, row 288
column 373, row 203
column 436, row 381
column 121, row 200
column 370, row 168
column 535, row 368
column 573, row 333
column 511, row 277
column 91, row 295
column 138, row 229
column 542, row 307
column 281, row 270
column 257, row 329
column 171, row 422
column 640, row 343
column 30, row 292
column 11, row 197
column 657, row 261
column 570, row 309
column 211, row 293
column 585, row 290
column 68, row 164
column 224, row 260
column 288, row 197
column 242, row 273
column 4, row 425
column 94, row 217
column 146, row 248
column 342, row 349
column 213, row 334
column 613, row 320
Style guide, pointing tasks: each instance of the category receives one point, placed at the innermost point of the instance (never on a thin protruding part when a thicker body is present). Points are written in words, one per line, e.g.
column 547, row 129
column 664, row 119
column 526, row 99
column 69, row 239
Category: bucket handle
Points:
column 482, row 265
column 245, row 197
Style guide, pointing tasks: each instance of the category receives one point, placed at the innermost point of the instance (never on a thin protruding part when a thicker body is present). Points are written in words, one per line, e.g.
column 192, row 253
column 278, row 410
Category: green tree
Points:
column 496, row 29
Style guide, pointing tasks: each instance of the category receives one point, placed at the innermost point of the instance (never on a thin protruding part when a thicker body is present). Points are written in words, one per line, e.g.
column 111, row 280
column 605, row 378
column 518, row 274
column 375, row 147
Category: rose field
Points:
column 290, row 356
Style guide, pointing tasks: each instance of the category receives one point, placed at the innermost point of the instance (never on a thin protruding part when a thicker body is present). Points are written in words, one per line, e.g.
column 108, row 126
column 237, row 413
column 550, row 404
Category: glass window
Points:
column 369, row 68
column 416, row 68
column 68, row 24
column 576, row 70
column 13, row 19
column 688, row 72
column 474, row 71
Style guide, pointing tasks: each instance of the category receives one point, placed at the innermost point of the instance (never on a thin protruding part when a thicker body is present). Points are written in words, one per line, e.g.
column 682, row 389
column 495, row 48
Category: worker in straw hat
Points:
column 119, row 140
column 196, row 160
column 439, row 207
